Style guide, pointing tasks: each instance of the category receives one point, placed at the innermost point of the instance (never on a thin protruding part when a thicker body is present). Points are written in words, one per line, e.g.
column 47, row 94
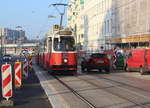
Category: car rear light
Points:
column 106, row 61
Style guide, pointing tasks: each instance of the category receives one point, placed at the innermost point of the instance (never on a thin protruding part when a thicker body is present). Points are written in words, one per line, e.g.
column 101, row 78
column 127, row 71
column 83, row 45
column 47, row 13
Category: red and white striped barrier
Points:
column 30, row 63
column 18, row 74
column 6, row 81
column 25, row 69
column 114, row 62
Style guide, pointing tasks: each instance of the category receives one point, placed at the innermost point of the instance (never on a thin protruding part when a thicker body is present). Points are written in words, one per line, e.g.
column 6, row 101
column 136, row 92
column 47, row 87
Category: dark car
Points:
column 98, row 61
column 7, row 58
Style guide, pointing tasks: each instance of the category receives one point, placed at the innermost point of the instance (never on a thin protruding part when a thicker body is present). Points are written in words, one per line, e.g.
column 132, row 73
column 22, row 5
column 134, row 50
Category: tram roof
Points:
column 64, row 33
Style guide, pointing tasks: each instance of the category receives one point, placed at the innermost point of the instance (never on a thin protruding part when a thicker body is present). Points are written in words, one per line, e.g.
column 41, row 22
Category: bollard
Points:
column 25, row 69
column 18, row 74
column 6, row 71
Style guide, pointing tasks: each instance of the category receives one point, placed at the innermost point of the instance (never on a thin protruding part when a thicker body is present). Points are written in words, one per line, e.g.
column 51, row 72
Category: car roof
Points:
column 99, row 54
column 7, row 55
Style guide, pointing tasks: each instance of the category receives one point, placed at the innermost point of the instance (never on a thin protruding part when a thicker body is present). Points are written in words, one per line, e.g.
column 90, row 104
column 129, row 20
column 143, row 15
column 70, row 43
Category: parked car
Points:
column 7, row 58
column 138, row 60
column 98, row 61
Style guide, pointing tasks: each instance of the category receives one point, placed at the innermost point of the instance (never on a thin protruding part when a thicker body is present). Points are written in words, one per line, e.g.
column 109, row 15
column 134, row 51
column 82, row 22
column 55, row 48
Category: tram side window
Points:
column 56, row 44
column 50, row 44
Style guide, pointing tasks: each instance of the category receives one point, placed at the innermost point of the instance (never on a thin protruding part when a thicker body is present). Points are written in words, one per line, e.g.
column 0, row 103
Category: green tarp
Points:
column 81, row 2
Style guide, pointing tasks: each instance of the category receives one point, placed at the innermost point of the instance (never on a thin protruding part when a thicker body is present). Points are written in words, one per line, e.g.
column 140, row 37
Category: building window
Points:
column 110, row 25
column 107, row 26
column 82, row 35
column 74, row 13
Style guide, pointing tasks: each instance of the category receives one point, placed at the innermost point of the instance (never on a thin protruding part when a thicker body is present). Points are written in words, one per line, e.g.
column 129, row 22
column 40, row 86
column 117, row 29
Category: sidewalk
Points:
column 31, row 94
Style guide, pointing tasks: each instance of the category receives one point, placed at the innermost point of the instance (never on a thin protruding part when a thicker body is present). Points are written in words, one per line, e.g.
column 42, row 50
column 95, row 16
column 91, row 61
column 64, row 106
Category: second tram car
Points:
column 60, row 54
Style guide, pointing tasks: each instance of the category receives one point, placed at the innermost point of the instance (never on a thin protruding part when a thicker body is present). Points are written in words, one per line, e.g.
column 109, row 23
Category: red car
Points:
column 98, row 61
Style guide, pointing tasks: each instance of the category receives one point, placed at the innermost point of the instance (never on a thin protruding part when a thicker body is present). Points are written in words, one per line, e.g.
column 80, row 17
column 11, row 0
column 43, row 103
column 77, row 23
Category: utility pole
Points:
column 1, row 44
column 76, row 39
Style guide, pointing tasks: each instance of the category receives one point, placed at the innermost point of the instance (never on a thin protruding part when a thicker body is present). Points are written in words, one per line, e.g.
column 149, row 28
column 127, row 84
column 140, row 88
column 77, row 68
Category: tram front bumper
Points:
column 64, row 67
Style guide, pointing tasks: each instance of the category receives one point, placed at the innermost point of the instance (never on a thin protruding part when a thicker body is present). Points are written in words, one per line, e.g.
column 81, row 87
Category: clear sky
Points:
column 32, row 15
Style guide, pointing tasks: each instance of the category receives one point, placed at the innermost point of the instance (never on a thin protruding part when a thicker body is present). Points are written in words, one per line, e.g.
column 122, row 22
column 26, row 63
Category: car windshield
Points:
column 99, row 56
column 64, row 43
column 6, row 56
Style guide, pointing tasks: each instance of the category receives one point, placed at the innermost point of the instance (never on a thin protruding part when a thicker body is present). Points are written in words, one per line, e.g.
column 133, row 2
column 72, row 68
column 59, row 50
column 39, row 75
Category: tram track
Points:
column 76, row 93
column 96, row 85
column 116, row 94
column 122, row 83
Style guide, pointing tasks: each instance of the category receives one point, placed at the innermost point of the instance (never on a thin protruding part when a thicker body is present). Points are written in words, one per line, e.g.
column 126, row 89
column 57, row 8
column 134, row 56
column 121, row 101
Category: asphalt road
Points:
column 114, row 90
column 30, row 94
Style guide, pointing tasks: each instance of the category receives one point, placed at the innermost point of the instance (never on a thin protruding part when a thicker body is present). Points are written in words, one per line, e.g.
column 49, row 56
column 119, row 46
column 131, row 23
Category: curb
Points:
column 49, row 90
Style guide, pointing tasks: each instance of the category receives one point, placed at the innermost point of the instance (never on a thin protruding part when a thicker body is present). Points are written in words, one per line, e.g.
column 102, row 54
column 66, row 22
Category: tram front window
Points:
column 64, row 43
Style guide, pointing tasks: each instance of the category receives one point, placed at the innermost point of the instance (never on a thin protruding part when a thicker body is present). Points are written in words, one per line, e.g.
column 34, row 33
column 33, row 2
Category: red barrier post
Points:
column 30, row 62
column 25, row 69
column 18, row 74
column 6, row 81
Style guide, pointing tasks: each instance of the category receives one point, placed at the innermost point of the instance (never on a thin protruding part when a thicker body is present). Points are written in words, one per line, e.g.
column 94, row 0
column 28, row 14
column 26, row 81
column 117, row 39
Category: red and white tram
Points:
column 61, row 54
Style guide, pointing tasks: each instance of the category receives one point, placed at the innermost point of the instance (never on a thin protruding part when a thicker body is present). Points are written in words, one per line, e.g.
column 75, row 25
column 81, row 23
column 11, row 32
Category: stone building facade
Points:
column 114, row 21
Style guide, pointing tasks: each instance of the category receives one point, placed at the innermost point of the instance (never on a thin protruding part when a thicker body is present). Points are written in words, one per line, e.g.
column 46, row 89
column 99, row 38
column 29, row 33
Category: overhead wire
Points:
column 44, row 25
column 46, row 21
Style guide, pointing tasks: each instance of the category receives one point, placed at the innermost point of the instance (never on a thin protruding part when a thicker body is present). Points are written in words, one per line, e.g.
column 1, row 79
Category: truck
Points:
column 138, row 59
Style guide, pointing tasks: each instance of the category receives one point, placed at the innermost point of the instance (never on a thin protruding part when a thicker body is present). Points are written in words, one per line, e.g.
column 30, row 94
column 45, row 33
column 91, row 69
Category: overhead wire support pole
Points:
column 1, row 45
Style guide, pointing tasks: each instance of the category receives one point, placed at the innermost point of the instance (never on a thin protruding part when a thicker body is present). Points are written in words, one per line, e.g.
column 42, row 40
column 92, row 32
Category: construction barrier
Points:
column 25, row 69
column 18, row 74
column 30, row 62
column 6, row 71
column 114, row 62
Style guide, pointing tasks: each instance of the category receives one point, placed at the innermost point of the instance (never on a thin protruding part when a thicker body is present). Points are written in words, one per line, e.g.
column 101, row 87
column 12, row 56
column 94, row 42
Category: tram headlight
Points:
column 65, row 60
